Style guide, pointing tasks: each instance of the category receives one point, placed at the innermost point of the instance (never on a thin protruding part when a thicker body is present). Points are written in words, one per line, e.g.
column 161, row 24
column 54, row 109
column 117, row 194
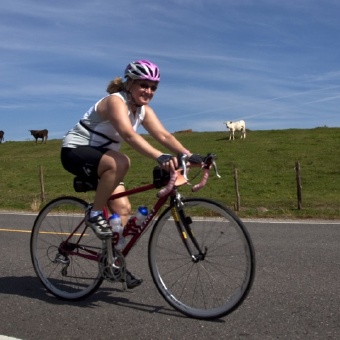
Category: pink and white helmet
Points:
column 142, row 69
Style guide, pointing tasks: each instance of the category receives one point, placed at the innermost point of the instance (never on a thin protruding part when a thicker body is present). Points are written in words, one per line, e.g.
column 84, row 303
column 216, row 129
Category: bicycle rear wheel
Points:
column 217, row 281
column 64, row 252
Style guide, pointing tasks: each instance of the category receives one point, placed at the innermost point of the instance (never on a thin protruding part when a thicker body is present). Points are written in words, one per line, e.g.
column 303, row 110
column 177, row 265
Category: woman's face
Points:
column 142, row 91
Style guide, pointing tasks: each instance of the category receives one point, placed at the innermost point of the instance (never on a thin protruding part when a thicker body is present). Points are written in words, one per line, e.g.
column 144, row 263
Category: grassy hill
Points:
column 265, row 161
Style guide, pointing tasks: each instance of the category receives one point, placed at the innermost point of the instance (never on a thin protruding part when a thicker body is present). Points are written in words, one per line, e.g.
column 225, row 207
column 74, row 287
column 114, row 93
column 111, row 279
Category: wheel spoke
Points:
column 67, row 268
column 218, row 281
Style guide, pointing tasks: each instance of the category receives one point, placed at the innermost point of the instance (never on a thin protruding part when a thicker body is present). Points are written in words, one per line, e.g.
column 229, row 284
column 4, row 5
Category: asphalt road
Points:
column 296, row 293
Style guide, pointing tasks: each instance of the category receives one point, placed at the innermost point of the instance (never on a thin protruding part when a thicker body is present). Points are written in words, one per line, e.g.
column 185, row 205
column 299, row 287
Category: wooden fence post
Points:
column 298, row 184
column 238, row 201
column 42, row 189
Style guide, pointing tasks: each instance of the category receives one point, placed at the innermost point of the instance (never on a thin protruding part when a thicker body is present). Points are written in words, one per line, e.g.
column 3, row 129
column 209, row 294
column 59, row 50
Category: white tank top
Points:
column 94, row 131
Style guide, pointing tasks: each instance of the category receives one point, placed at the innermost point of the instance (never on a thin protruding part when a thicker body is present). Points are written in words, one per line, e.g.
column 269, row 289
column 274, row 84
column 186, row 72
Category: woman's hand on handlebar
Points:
column 168, row 162
column 196, row 159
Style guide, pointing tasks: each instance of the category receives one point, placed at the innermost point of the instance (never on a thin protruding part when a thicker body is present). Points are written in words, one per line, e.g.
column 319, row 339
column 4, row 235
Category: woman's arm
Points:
column 116, row 112
column 152, row 124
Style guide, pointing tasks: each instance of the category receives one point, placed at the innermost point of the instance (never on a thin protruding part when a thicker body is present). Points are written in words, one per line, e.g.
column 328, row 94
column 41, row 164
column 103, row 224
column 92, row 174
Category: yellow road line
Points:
column 41, row 232
column 16, row 230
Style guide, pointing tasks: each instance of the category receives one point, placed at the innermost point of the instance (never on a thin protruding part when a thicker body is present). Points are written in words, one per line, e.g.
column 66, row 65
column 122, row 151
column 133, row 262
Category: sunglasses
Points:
column 145, row 86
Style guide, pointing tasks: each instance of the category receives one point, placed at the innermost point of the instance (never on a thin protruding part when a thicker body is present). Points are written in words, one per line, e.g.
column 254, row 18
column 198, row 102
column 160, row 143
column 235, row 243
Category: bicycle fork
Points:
column 183, row 223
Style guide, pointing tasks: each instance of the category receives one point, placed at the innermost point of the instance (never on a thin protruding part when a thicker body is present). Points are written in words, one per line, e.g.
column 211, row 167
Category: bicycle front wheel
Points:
column 215, row 277
column 64, row 252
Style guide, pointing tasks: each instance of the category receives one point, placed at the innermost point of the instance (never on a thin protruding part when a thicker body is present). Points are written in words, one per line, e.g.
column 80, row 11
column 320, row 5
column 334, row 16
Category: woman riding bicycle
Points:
column 90, row 149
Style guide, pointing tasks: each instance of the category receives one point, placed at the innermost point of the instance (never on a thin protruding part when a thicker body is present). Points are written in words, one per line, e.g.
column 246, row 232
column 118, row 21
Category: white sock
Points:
column 94, row 213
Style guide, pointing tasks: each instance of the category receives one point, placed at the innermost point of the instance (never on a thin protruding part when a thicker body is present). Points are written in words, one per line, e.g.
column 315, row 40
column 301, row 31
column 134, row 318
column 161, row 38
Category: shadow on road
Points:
column 31, row 287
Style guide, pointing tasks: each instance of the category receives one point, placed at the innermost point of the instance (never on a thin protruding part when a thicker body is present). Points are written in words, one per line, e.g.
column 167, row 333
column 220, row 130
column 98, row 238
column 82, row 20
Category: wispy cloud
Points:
column 271, row 63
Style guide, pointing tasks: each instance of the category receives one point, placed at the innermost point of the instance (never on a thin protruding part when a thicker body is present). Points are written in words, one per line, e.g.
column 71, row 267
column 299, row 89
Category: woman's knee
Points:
column 114, row 161
column 121, row 206
column 124, row 161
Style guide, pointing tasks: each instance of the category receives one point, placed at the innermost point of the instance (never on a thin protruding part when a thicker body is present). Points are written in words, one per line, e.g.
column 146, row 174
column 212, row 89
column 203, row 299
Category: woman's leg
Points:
column 112, row 169
column 121, row 205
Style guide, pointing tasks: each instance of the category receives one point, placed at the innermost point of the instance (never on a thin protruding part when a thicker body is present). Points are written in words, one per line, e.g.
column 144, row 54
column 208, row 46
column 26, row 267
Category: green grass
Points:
column 265, row 161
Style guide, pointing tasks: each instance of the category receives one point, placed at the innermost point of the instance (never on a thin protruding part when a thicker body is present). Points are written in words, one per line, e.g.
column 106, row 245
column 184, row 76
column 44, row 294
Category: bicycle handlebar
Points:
column 205, row 163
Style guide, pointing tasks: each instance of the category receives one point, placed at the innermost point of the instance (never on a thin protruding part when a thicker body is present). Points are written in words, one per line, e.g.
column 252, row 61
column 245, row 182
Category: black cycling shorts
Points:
column 82, row 161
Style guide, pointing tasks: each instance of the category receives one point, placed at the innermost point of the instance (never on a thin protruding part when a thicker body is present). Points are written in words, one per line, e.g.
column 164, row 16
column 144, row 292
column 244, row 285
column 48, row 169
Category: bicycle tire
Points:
column 215, row 286
column 70, row 276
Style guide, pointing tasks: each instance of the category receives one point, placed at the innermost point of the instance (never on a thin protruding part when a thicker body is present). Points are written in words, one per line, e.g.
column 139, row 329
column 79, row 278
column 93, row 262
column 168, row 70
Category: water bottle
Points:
column 135, row 221
column 117, row 229
column 141, row 214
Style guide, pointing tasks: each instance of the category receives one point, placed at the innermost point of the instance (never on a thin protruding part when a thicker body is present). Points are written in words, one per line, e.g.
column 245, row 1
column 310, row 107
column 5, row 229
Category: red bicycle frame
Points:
column 149, row 218
column 177, row 178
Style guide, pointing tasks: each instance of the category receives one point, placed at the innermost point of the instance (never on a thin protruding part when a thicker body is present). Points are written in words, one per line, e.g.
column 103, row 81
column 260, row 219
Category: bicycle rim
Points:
column 216, row 285
column 67, row 274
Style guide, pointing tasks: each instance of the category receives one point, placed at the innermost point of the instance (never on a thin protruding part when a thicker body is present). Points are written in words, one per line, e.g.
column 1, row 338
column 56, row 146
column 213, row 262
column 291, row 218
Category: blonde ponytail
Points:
column 115, row 85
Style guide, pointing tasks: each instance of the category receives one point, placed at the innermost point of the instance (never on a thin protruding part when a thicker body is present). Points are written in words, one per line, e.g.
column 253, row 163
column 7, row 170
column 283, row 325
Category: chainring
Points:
column 117, row 272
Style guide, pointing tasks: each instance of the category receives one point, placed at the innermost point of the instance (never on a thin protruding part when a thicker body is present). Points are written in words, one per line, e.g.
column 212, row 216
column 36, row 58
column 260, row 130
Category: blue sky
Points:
column 275, row 64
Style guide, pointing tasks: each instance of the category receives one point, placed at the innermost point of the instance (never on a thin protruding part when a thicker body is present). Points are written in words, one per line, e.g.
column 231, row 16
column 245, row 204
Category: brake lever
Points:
column 183, row 163
column 183, row 158
column 215, row 168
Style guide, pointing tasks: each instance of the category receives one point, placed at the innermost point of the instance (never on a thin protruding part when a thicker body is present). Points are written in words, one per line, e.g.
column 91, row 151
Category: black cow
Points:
column 2, row 136
column 43, row 134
